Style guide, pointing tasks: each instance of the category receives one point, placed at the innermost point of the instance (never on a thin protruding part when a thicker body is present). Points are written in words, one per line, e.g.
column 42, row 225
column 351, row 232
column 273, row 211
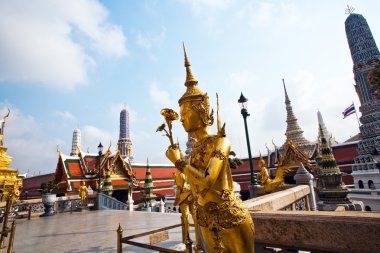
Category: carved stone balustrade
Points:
column 316, row 231
column 289, row 199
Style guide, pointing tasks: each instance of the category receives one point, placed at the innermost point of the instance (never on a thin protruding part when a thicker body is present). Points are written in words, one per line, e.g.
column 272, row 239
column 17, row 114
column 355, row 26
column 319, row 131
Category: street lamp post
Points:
column 100, row 148
column 243, row 101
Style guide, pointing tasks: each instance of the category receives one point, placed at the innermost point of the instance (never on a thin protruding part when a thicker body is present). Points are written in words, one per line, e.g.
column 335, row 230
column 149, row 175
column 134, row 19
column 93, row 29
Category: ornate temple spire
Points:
column 148, row 176
column 326, row 133
column 287, row 100
column 328, row 163
column 124, row 143
column 333, row 190
column 366, row 58
column 76, row 142
column 293, row 130
column 189, row 146
column 148, row 195
column 360, row 40
column 107, row 185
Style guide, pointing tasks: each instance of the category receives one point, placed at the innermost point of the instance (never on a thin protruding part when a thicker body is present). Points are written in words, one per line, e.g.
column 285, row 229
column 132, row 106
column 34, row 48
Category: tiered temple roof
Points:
column 72, row 170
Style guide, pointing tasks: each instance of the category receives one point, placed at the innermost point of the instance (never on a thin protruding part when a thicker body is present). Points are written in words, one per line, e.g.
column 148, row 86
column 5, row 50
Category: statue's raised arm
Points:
column 225, row 222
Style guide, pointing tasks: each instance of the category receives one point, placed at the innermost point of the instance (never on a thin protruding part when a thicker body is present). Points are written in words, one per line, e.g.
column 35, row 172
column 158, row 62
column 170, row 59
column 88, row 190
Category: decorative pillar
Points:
column 303, row 177
column 130, row 202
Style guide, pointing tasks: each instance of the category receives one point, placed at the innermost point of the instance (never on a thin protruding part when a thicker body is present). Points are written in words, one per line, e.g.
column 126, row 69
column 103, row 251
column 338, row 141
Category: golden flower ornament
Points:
column 169, row 115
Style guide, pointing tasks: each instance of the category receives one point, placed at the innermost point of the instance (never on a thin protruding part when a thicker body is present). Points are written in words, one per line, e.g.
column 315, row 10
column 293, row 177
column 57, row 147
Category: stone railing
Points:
column 34, row 207
column 316, row 231
column 296, row 198
column 107, row 202
column 373, row 192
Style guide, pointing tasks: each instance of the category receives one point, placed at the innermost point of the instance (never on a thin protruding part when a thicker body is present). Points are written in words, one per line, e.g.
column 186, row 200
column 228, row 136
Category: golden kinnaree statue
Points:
column 10, row 182
column 186, row 202
column 226, row 224
column 271, row 185
column 82, row 190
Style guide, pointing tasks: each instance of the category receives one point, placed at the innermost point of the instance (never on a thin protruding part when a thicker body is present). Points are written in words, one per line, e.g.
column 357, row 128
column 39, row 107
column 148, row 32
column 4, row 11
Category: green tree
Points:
column 234, row 161
column 48, row 187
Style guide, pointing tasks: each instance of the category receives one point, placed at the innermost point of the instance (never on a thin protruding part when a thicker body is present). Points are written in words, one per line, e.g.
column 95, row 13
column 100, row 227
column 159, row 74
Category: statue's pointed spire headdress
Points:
column 190, row 79
column 192, row 91
column 194, row 94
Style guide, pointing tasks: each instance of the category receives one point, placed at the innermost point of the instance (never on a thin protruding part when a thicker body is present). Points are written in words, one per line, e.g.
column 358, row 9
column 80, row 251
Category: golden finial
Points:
column 190, row 79
column 109, row 147
column 58, row 151
column 349, row 10
column 267, row 148
column 6, row 116
column 78, row 148
column 274, row 143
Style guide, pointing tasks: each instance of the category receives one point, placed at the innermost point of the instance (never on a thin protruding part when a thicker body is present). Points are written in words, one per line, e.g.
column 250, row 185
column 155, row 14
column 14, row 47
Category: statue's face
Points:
column 190, row 118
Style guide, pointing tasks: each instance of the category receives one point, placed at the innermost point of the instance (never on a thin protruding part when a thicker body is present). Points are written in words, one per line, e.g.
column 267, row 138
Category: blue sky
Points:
column 65, row 64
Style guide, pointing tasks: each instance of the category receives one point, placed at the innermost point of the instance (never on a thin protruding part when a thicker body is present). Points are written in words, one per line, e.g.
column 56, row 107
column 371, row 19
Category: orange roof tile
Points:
column 73, row 168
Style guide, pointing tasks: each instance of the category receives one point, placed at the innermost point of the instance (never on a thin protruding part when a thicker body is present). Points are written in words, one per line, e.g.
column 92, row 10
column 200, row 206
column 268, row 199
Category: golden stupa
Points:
column 9, row 178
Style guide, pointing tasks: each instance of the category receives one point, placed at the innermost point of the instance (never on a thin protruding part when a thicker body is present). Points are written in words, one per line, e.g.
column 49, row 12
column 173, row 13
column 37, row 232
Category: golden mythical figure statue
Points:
column 186, row 201
column 225, row 222
column 270, row 185
column 82, row 190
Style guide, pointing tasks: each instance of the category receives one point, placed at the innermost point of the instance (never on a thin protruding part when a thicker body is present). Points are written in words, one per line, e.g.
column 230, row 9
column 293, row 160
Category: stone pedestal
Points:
column 252, row 191
column 49, row 202
column 349, row 206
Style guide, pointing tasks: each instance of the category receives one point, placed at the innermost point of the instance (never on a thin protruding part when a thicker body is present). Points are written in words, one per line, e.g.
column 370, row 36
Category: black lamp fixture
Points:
column 243, row 102
column 100, row 148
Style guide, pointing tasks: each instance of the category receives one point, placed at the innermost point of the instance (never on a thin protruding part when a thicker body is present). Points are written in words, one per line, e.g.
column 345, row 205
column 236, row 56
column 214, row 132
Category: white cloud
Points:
column 241, row 79
column 65, row 115
column 147, row 40
column 27, row 143
column 48, row 42
column 158, row 95
column 198, row 5
column 92, row 136
column 266, row 14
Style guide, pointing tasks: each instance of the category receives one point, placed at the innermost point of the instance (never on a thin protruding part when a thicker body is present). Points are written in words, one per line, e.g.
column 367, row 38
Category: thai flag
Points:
column 348, row 111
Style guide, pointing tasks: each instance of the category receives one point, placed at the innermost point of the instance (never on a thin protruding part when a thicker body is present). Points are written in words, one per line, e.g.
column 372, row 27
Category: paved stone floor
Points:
column 91, row 231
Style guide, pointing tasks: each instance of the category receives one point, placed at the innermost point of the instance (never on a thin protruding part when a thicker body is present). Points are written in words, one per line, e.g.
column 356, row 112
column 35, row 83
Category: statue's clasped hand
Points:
column 175, row 156
column 173, row 153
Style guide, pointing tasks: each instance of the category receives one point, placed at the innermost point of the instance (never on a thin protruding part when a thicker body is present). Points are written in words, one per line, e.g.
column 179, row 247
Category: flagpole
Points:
column 356, row 114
